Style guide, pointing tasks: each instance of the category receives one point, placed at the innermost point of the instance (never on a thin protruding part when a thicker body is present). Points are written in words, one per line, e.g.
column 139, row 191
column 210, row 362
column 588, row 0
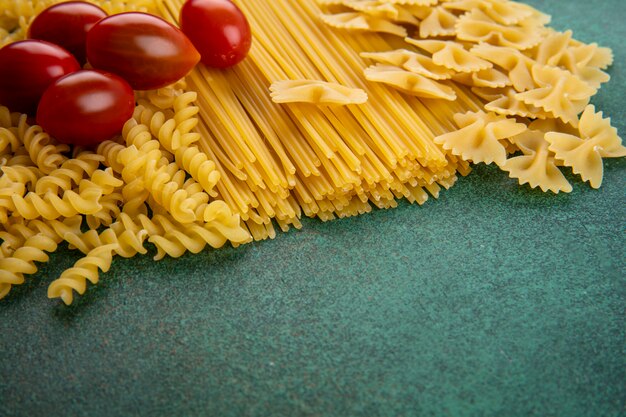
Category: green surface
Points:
column 494, row 300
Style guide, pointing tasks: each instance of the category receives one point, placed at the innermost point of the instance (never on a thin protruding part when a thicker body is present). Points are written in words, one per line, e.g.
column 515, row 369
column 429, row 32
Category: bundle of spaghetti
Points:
column 342, row 157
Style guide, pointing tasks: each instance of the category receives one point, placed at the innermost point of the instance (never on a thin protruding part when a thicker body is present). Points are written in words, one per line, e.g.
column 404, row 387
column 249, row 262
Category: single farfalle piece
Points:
column 439, row 22
column 489, row 94
column 476, row 26
column 383, row 10
column 409, row 82
column 596, row 139
column 411, row 61
column 558, row 92
column 552, row 48
column 537, row 166
column 414, row 2
column 362, row 22
column 479, row 137
column 580, row 62
column 594, row 77
column 560, row 50
column 503, row 12
column 491, row 78
column 315, row 92
column 518, row 65
column 451, row 55
column 591, row 55
column 508, row 105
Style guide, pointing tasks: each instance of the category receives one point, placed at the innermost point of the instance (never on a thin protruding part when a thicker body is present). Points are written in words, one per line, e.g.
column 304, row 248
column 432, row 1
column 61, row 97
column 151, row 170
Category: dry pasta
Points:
column 315, row 92
column 341, row 106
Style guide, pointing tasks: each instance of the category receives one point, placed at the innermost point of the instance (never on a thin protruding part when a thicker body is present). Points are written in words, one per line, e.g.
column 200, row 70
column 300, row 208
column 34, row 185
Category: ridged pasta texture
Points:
column 341, row 106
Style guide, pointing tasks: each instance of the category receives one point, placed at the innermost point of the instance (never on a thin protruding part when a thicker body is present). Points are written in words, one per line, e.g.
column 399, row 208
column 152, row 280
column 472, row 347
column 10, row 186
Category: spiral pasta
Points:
column 199, row 166
column 25, row 175
column 220, row 227
column 159, row 183
column 87, row 268
column 70, row 173
column 42, row 149
column 22, row 262
column 51, row 206
column 126, row 235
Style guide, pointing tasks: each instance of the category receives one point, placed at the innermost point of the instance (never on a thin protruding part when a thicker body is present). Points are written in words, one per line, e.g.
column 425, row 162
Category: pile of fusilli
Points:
column 152, row 183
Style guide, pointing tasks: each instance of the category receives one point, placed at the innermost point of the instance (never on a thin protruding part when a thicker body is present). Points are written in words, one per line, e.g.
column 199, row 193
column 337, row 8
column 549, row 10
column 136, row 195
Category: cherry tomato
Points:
column 144, row 49
column 86, row 107
column 27, row 68
column 218, row 29
column 67, row 24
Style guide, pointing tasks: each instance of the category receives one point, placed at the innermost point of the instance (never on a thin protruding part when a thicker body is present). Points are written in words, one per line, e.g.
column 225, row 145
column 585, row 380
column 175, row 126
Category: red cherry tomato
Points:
column 86, row 107
column 144, row 49
column 27, row 68
column 218, row 29
column 67, row 24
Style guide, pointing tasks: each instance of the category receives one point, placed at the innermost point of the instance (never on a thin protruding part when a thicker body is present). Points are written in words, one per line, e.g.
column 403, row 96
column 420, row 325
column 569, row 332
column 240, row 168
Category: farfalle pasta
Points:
column 537, row 166
column 391, row 11
column 558, row 92
column 439, row 22
column 584, row 61
column 503, row 12
column 596, row 139
column 476, row 26
column 451, row 55
column 409, row 82
column 517, row 65
column 491, row 78
column 411, row 61
column 479, row 137
column 364, row 22
column 506, row 103
column 315, row 92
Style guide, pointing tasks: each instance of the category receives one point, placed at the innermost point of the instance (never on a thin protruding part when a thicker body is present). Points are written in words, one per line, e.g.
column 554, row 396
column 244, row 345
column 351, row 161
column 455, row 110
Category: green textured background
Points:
column 494, row 300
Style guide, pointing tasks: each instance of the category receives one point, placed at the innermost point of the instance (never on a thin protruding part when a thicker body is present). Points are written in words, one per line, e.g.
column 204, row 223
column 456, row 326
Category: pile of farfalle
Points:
column 535, row 83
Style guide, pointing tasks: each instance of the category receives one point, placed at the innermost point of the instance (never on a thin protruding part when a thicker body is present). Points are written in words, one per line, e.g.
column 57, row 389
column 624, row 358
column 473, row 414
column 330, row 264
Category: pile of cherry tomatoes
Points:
column 42, row 76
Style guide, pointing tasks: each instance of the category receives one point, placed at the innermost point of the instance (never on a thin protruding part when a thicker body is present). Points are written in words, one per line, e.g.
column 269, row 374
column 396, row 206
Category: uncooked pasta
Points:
column 340, row 106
